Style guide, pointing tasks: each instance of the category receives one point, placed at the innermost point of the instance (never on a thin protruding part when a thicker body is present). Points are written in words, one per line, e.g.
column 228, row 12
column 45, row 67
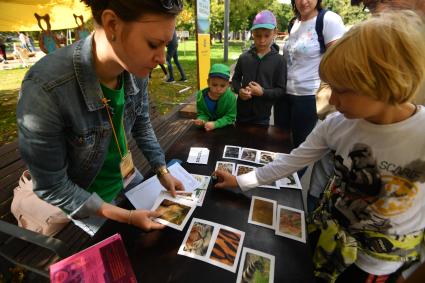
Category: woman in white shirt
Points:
column 296, row 111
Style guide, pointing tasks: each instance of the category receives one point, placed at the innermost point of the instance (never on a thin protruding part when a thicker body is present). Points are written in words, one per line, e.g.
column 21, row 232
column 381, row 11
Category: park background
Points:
column 166, row 96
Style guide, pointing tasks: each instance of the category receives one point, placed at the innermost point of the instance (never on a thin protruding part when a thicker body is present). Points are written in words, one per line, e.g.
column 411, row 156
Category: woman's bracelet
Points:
column 129, row 217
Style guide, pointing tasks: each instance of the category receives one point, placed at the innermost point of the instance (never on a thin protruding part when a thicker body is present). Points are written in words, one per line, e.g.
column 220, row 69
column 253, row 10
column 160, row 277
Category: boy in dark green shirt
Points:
column 216, row 104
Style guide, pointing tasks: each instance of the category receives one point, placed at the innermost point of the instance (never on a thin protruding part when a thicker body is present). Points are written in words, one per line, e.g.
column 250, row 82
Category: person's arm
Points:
column 237, row 77
column 333, row 28
column 230, row 115
column 147, row 142
column 284, row 165
column 201, row 108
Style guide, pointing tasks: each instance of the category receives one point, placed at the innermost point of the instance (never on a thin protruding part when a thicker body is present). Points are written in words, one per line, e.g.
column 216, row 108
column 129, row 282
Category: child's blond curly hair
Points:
column 383, row 57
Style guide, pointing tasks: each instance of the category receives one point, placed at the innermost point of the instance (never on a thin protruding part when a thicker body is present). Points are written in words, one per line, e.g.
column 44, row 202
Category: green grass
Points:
column 166, row 96
column 9, row 90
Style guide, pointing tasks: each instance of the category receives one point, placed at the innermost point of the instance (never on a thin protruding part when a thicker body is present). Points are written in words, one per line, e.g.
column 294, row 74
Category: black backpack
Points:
column 319, row 29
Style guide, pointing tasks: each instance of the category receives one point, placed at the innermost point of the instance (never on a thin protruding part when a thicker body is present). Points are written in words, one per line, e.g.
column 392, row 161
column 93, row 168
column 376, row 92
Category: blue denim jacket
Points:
column 64, row 131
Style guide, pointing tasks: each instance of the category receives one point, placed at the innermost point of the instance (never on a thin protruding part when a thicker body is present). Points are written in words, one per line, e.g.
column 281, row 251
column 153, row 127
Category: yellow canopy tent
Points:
column 18, row 15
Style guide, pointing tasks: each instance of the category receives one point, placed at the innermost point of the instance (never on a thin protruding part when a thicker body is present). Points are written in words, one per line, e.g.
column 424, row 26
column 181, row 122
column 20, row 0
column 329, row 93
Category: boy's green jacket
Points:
column 226, row 108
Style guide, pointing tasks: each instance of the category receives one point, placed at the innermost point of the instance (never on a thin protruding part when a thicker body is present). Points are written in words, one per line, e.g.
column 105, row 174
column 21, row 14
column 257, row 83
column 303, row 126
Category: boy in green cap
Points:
column 216, row 104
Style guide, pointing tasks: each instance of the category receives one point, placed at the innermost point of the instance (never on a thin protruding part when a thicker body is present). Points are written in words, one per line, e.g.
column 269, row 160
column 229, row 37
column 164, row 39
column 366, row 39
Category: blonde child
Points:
column 216, row 105
column 370, row 223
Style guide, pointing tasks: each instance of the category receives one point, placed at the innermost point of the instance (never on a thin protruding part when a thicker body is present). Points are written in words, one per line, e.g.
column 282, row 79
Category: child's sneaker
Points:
column 170, row 81
column 183, row 80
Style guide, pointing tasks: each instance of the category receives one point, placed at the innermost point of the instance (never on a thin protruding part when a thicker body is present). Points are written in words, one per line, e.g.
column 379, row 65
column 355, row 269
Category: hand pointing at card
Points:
column 225, row 180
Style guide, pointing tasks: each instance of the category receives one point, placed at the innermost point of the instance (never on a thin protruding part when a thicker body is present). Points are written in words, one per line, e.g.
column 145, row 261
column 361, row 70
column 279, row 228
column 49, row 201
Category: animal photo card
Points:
column 175, row 212
column 291, row 223
column 266, row 157
column 249, row 154
column 199, row 193
column 263, row 212
column 226, row 166
column 213, row 243
column 232, row 152
column 256, row 267
column 197, row 242
column 243, row 169
column 291, row 181
column 227, row 248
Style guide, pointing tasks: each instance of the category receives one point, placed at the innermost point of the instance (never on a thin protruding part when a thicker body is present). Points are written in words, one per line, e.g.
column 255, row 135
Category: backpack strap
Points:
column 291, row 24
column 319, row 30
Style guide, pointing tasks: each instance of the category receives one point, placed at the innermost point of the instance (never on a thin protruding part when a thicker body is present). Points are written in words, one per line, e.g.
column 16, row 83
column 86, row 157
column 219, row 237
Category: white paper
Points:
column 143, row 196
column 198, row 155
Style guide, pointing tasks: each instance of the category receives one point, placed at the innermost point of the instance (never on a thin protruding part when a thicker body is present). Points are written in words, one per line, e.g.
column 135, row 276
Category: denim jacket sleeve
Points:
column 43, row 147
column 143, row 132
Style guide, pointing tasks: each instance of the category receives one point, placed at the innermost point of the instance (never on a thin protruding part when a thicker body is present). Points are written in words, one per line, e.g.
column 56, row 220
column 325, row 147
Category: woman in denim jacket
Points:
column 79, row 104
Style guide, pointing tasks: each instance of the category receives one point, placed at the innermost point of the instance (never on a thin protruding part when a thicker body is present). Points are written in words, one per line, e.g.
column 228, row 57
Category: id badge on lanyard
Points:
column 127, row 169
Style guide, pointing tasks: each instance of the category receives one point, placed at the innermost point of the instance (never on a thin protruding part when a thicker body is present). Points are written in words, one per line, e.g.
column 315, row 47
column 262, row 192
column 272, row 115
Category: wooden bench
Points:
column 36, row 252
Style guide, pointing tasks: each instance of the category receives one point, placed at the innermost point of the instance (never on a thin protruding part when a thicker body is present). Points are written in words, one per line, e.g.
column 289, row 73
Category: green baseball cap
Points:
column 219, row 71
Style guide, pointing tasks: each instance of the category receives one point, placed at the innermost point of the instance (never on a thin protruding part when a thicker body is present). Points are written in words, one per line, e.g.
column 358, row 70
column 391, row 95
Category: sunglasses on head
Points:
column 170, row 4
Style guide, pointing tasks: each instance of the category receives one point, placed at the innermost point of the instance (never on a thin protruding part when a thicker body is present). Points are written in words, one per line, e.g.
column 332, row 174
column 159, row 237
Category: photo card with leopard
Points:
column 263, row 212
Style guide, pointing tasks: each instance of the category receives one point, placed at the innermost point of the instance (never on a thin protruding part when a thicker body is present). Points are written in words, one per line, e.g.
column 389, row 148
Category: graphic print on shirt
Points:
column 302, row 42
column 364, row 197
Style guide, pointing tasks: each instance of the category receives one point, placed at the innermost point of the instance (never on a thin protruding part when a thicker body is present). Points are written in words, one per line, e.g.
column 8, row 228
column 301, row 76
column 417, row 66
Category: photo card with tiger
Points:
column 232, row 152
column 249, row 154
column 197, row 242
column 292, row 181
column 175, row 212
column 256, row 267
column 263, row 212
column 243, row 169
column 199, row 193
column 290, row 223
column 227, row 248
column 226, row 166
column 265, row 157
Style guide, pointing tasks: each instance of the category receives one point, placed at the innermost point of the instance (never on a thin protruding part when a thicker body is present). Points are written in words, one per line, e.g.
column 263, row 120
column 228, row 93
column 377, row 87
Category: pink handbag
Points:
column 34, row 213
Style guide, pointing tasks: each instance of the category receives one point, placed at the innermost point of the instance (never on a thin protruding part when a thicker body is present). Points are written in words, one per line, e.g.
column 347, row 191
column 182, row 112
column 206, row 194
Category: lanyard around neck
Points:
column 105, row 102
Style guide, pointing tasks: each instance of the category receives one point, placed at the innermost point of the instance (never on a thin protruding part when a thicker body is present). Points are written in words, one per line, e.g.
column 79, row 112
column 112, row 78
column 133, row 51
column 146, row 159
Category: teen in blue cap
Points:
column 260, row 73
column 216, row 104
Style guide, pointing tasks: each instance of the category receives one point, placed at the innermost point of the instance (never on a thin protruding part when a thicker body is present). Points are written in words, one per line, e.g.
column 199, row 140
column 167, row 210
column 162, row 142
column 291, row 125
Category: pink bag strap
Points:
column 25, row 181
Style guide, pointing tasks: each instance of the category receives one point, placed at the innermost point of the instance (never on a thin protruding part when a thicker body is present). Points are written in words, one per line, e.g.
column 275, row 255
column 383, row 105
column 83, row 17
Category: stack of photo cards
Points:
column 263, row 212
column 199, row 193
column 291, row 223
column 256, row 267
column 248, row 154
column 198, row 155
column 175, row 212
column 213, row 243
column 226, row 166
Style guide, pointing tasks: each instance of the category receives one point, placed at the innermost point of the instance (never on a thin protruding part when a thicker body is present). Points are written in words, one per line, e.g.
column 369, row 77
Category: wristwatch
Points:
column 161, row 171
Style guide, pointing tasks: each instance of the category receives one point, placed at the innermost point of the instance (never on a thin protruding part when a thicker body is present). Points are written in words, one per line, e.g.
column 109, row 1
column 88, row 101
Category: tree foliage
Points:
column 242, row 12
